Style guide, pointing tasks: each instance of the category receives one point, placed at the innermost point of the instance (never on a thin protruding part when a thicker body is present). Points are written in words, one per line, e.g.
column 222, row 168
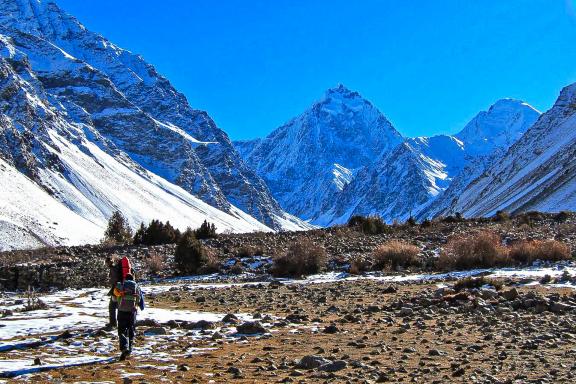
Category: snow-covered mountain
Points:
column 423, row 169
column 137, row 109
column 97, row 129
column 308, row 161
column 538, row 172
column 485, row 139
column 342, row 158
column 61, row 180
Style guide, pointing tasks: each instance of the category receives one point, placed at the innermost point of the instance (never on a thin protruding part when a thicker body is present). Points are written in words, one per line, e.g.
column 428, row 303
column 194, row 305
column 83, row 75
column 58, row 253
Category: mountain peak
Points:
column 500, row 126
column 42, row 18
column 341, row 92
column 510, row 104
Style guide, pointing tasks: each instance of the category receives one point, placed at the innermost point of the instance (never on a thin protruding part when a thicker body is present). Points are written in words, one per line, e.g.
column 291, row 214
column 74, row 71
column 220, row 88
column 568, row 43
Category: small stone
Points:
column 331, row 329
column 333, row 366
column 230, row 319
column 510, row 294
column 250, row 328
column 156, row 331
column 311, row 362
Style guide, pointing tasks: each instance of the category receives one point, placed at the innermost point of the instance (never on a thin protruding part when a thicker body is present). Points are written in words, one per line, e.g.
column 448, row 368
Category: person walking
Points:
column 130, row 298
column 114, row 276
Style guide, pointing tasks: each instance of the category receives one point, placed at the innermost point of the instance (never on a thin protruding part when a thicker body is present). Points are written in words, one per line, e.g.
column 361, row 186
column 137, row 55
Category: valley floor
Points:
column 327, row 328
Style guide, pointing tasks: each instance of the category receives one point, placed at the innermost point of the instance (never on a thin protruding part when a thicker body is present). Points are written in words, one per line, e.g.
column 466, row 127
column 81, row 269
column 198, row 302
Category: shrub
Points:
column 371, row 225
column 394, row 254
column 301, row 258
column 528, row 251
column 481, row 249
column 476, row 282
column 249, row 251
column 501, row 216
column 206, row 231
column 426, row 223
column 154, row 263
column 33, row 301
column 118, row 230
column 561, row 216
column 190, row 255
column 358, row 265
column 411, row 221
column 211, row 263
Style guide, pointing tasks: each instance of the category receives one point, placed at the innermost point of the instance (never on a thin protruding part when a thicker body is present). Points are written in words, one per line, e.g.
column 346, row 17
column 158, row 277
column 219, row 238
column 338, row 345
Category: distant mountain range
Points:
column 342, row 157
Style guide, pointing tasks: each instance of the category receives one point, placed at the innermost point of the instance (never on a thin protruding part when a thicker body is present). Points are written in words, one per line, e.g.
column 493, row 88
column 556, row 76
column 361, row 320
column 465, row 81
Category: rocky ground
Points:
column 513, row 326
column 356, row 330
column 84, row 266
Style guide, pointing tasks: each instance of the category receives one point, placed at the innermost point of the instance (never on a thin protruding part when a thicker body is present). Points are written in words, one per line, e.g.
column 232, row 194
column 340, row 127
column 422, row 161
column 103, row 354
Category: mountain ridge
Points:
column 435, row 161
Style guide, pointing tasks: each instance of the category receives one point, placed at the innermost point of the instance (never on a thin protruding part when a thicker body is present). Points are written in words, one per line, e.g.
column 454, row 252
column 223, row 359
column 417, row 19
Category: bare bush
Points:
column 394, row 254
column 212, row 263
column 33, row 301
column 358, row 266
column 249, row 251
column 476, row 282
column 481, row 249
column 528, row 251
column 301, row 258
column 154, row 263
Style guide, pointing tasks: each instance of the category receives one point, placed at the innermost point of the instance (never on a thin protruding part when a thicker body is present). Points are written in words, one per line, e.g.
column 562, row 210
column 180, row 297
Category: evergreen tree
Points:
column 206, row 231
column 139, row 235
column 118, row 230
column 189, row 255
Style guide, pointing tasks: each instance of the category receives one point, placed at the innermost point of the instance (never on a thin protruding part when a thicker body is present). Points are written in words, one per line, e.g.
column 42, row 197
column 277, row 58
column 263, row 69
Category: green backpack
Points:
column 129, row 296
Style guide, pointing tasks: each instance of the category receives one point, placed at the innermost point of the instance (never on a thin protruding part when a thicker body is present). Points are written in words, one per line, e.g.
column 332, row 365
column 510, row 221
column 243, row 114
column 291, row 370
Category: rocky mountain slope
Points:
column 82, row 117
column 342, row 157
column 61, row 180
column 537, row 173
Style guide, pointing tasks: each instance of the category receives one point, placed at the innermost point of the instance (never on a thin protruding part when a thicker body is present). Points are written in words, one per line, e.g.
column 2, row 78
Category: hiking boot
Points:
column 125, row 353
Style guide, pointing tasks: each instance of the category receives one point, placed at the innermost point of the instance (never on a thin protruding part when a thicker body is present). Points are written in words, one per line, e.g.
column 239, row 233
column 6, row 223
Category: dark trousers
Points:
column 112, row 307
column 126, row 329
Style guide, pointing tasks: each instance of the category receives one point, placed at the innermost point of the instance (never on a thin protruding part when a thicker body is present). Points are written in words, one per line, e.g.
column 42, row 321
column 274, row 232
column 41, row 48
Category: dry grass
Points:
column 359, row 265
column 528, row 251
column 394, row 254
column 301, row 258
column 482, row 249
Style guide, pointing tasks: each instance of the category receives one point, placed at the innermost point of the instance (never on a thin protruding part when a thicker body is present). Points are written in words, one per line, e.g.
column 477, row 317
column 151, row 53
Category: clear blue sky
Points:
column 429, row 66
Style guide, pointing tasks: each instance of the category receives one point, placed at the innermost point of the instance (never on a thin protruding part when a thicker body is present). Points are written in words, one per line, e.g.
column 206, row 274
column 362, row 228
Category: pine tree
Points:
column 206, row 231
column 139, row 235
column 118, row 230
column 189, row 255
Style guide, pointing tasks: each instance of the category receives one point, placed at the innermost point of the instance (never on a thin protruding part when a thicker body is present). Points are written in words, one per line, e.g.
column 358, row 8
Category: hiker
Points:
column 130, row 298
column 118, row 269
column 114, row 276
